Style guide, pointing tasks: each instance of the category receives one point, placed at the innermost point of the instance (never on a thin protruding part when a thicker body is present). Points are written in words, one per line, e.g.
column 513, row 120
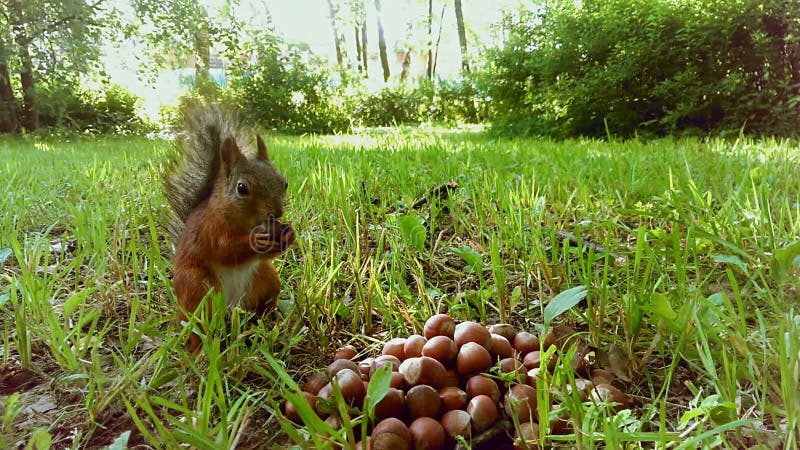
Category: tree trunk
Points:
column 364, row 47
column 429, row 70
column 462, row 37
column 438, row 38
column 382, row 43
column 406, row 65
column 30, row 112
column 333, row 10
column 357, row 34
column 203, row 62
column 8, row 104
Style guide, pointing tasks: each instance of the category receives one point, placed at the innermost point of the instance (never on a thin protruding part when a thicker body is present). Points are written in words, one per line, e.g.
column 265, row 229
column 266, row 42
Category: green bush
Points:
column 111, row 109
column 445, row 101
column 393, row 105
column 647, row 66
column 287, row 88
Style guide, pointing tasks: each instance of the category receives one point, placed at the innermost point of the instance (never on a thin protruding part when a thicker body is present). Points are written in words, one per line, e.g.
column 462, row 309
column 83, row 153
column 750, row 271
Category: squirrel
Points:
column 227, row 198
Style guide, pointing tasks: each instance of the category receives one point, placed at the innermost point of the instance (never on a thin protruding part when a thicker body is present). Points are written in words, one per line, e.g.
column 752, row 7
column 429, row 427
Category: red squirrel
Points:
column 227, row 198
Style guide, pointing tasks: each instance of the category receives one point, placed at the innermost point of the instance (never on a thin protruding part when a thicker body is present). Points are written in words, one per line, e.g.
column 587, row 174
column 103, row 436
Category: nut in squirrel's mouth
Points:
column 271, row 236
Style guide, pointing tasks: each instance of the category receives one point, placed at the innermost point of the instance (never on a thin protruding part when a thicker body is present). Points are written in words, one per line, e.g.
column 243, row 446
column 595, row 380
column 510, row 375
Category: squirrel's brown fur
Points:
column 226, row 197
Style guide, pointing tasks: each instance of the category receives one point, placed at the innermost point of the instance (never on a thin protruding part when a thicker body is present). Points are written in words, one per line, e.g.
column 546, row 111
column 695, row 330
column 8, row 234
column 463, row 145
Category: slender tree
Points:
column 30, row 112
column 333, row 12
column 429, row 69
column 203, row 46
column 8, row 105
column 407, row 50
column 364, row 46
column 438, row 38
column 382, row 43
column 357, row 40
column 462, row 36
column 358, row 10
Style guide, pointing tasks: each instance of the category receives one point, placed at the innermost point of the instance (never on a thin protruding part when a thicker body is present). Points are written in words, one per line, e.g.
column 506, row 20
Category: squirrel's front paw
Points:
column 272, row 237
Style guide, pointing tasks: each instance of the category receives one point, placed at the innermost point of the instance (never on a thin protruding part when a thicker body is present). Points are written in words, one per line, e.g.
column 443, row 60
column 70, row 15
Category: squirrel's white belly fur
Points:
column 236, row 281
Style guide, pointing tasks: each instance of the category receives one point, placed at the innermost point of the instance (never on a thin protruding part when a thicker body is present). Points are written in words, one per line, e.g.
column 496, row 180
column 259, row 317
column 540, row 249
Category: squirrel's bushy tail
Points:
column 190, row 175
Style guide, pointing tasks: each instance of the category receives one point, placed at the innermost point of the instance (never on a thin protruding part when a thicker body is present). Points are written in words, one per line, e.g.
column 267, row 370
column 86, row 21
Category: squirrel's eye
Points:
column 241, row 189
column 286, row 185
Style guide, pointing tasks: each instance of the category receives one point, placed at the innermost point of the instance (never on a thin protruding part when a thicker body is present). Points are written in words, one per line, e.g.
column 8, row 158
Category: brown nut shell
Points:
column 439, row 325
column 398, row 381
column 505, row 330
column 610, row 394
column 442, row 349
column 427, row 434
column 501, row 347
column 351, row 385
column 385, row 359
column 483, row 385
column 528, row 432
column 291, row 410
column 423, row 370
column 315, row 382
column 525, row 342
column 423, row 401
column 395, row 347
column 390, row 434
column 472, row 332
column 472, row 358
column 346, row 352
column 483, row 412
column 339, row 364
column 457, row 423
column 509, row 365
column 393, row 404
column 521, row 400
column 413, row 346
column 452, row 398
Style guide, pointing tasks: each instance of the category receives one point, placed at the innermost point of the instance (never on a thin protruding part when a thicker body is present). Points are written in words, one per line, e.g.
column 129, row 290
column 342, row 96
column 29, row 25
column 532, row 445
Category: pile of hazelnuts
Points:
column 442, row 388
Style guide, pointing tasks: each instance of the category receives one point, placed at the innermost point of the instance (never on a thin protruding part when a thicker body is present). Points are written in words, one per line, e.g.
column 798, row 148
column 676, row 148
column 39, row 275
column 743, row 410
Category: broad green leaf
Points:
column 691, row 414
column 732, row 260
column 4, row 254
column 74, row 301
column 413, row 231
column 563, row 302
column 470, row 256
column 784, row 259
column 121, row 442
column 516, row 296
column 723, row 413
column 378, row 387
column 662, row 307
column 40, row 440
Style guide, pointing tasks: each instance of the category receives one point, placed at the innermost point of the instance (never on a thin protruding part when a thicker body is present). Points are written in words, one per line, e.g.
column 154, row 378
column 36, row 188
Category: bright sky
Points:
column 308, row 21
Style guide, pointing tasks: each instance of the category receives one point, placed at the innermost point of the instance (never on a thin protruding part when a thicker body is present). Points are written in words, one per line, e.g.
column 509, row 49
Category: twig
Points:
column 499, row 427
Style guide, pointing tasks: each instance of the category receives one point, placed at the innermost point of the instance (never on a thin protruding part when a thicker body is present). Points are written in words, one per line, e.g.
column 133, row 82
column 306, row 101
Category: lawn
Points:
column 688, row 251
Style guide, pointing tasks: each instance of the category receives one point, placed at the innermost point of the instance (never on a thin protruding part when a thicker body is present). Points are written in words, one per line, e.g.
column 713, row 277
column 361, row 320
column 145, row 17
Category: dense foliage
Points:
column 564, row 69
column 108, row 109
column 642, row 66
column 444, row 101
column 286, row 87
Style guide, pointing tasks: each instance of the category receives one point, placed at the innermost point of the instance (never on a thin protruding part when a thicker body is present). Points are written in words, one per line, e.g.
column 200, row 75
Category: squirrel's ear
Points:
column 262, row 148
column 230, row 154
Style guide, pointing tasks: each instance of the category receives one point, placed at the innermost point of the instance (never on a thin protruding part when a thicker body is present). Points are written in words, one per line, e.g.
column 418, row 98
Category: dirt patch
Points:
column 14, row 378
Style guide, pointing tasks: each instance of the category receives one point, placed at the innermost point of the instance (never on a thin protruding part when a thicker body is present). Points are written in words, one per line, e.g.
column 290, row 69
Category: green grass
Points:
column 695, row 298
